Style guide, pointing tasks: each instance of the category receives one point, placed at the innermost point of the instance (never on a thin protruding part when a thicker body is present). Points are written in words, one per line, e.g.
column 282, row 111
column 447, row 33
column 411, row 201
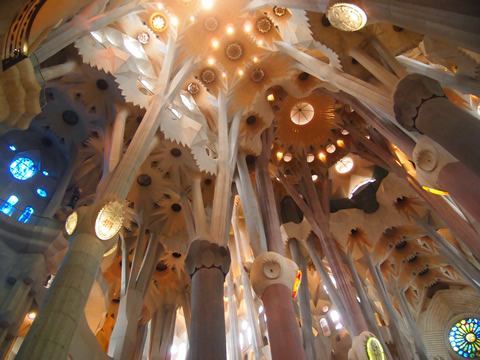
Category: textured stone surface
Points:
column 205, row 254
column 430, row 158
column 271, row 268
column 411, row 92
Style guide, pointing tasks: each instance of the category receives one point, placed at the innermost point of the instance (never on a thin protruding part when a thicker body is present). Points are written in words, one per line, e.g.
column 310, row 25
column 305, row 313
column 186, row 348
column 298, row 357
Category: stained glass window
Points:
column 42, row 192
column 27, row 213
column 22, row 168
column 8, row 205
column 464, row 338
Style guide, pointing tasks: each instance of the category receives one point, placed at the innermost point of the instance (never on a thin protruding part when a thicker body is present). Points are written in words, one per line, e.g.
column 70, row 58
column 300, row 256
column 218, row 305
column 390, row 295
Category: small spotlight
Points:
column 270, row 97
column 174, row 21
column 314, row 177
column 215, row 43
column 322, row 156
column 248, row 27
column 230, row 29
column 211, row 61
column 224, row 75
column 192, row 18
column 255, row 59
column 279, row 155
column 340, row 143
column 240, row 72
column 260, row 42
column 32, row 315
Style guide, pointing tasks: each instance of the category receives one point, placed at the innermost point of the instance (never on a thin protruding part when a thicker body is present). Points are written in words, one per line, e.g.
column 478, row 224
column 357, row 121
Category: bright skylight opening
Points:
column 22, row 168
column 364, row 182
column 344, row 165
column 302, row 113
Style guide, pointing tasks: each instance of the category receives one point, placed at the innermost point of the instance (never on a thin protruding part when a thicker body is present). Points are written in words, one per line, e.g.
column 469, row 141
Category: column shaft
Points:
column 454, row 129
column 207, row 328
column 304, row 301
column 463, row 185
column 53, row 329
column 285, row 341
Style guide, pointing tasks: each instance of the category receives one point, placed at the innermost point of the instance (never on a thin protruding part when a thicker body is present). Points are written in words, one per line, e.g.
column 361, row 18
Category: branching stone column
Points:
column 207, row 263
column 420, row 104
column 52, row 331
column 273, row 277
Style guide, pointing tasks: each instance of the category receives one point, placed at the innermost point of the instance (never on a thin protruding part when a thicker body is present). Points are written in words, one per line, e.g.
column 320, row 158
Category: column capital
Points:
column 410, row 94
column 203, row 254
column 271, row 268
column 430, row 158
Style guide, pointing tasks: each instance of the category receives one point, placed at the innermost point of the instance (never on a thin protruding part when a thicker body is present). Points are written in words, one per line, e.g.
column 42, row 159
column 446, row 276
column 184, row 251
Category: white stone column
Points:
column 53, row 329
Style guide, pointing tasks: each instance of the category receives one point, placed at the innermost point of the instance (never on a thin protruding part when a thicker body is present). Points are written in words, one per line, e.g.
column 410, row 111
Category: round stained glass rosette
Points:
column 464, row 338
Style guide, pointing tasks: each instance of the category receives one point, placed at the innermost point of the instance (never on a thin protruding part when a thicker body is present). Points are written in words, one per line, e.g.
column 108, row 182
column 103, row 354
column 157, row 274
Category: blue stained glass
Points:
column 8, row 205
column 27, row 213
column 41, row 192
column 13, row 148
column 464, row 338
column 22, row 168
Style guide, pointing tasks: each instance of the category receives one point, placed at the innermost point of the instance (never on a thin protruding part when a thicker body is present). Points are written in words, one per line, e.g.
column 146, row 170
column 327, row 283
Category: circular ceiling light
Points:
column 71, row 223
column 302, row 113
column 109, row 220
column 331, row 148
column 287, row 157
column 345, row 132
column 158, row 22
column 310, row 158
column 143, row 38
column 344, row 165
column 346, row 17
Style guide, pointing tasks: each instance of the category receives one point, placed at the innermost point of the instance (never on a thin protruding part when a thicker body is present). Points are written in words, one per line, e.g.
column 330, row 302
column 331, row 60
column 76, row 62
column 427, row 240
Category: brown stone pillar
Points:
column 207, row 263
column 273, row 277
column 437, row 169
column 463, row 185
column 420, row 104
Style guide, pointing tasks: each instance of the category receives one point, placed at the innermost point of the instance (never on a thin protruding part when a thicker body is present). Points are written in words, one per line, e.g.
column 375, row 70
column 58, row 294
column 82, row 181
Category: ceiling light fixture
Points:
column 346, row 16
